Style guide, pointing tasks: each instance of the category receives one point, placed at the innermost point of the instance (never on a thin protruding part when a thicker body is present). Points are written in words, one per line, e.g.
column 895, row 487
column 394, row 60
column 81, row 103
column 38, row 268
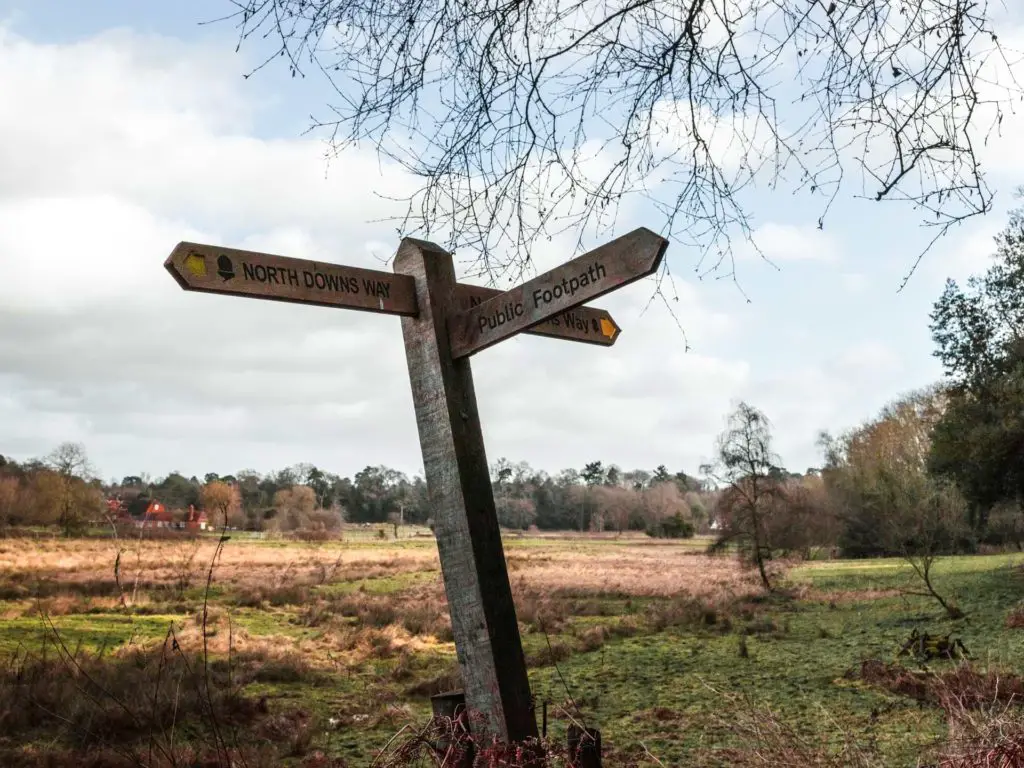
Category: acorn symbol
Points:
column 225, row 268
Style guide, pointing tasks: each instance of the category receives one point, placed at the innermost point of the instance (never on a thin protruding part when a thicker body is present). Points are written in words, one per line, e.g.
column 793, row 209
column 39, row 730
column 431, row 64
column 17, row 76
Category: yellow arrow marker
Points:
column 608, row 328
column 196, row 264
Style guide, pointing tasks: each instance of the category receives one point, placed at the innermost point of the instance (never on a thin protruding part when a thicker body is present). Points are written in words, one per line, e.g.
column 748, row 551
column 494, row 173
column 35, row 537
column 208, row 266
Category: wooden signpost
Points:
column 212, row 269
column 445, row 322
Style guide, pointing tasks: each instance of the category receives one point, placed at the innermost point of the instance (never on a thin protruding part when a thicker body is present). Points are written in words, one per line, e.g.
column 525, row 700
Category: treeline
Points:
column 58, row 491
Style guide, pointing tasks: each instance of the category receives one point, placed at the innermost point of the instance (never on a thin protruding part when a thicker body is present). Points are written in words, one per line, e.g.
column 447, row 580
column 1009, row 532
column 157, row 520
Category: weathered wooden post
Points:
column 584, row 746
column 458, row 479
column 458, row 749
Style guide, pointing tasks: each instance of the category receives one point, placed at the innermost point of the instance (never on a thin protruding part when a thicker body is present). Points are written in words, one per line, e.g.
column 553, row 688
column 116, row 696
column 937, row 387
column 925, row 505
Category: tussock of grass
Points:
column 961, row 688
column 93, row 700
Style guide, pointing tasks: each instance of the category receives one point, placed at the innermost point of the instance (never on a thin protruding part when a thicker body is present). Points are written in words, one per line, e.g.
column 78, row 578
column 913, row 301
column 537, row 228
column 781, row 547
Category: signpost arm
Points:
column 484, row 625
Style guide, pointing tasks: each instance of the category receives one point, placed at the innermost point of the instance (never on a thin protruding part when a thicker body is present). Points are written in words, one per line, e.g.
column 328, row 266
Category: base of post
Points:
column 450, row 707
column 584, row 747
column 449, row 704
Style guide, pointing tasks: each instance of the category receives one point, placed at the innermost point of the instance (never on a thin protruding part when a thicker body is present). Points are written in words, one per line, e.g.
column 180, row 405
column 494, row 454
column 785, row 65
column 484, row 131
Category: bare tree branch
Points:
column 529, row 118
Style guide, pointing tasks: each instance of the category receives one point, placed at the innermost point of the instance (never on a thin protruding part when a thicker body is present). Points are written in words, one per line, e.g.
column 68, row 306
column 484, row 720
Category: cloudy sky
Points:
column 126, row 127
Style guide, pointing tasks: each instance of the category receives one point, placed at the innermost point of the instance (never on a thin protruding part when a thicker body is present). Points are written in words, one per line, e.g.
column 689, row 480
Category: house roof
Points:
column 157, row 511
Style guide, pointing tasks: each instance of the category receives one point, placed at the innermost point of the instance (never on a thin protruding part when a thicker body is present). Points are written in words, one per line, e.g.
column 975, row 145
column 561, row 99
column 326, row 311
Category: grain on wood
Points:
column 595, row 273
column 587, row 325
column 214, row 269
column 484, row 624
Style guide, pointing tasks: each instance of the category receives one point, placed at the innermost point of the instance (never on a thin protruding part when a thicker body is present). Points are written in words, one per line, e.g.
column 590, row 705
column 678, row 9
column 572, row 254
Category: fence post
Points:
column 584, row 747
column 451, row 706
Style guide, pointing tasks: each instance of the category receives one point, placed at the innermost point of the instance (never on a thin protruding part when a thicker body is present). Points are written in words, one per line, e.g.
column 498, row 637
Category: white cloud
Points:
column 865, row 357
column 787, row 242
column 966, row 252
column 121, row 146
column 845, row 387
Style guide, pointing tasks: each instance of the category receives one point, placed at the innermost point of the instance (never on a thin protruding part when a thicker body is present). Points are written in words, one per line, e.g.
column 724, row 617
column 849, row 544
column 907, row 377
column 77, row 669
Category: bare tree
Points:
column 515, row 511
column 71, row 460
column 889, row 503
column 10, row 490
column 294, row 507
column 616, row 506
column 748, row 468
column 71, row 463
column 664, row 500
column 927, row 528
column 802, row 517
column 524, row 118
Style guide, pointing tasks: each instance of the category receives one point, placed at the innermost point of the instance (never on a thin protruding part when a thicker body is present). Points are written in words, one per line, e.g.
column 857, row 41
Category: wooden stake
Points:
column 476, row 581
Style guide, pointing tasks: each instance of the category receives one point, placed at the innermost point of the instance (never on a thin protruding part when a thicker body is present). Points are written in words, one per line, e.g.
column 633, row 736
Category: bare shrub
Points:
column 418, row 747
column 959, row 688
column 184, row 565
column 423, row 618
column 258, row 597
column 686, row 612
column 767, row 740
column 87, row 700
column 983, row 733
column 592, row 638
column 552, row 653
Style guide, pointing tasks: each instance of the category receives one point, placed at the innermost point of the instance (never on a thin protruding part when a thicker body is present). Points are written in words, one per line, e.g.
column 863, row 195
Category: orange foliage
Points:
column 222, row 502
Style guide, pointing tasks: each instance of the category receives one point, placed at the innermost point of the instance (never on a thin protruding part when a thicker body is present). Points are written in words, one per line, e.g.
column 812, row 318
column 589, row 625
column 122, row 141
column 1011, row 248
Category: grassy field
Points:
column 317, row 651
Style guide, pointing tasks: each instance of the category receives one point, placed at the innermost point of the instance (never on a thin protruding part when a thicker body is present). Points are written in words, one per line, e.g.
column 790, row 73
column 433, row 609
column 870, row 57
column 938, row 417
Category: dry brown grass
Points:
column 552, row 585
column 151, row 707
column 393, row 621
column 630, row 571
column 318, row 614
column 635, row 569
column 87, row 565
column 958, row 689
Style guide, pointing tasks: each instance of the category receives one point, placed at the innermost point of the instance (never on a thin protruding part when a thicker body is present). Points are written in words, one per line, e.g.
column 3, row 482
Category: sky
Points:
column 127, row 126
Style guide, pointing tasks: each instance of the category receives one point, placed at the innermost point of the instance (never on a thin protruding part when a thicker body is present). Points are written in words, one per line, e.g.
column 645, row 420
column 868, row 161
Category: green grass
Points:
column 89, row 632
column 382, row 585
column 796, row 671
column 673, row 690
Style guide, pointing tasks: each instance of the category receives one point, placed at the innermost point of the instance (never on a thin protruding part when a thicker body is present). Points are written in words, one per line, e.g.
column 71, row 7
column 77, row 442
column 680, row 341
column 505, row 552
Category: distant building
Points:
column 197, row 520
column 144, row 512
column 117, row 509
column 156, row 515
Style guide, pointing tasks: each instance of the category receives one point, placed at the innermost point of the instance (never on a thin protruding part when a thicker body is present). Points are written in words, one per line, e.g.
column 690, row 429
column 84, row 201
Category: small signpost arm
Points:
column 469, row 544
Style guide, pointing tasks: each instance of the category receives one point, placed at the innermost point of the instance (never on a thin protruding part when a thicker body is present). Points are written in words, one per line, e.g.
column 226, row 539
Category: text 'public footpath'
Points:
column 568, row 287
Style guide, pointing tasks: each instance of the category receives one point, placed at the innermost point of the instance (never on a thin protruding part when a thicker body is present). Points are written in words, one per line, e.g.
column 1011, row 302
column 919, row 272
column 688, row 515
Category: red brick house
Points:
column 156, row 515
column 197, row 519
